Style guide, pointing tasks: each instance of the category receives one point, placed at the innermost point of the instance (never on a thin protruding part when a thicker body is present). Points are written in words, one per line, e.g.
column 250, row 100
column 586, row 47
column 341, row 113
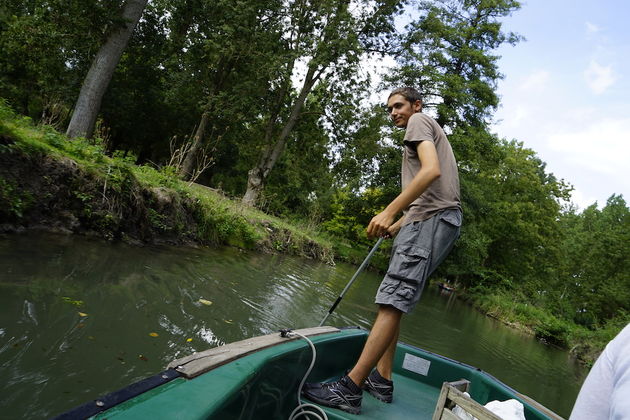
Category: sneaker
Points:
column 379, row 387
column 342, row 394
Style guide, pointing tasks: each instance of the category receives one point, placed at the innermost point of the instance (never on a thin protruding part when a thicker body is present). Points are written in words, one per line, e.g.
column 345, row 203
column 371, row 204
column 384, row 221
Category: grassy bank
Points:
column 584, row 344
column 50, row 182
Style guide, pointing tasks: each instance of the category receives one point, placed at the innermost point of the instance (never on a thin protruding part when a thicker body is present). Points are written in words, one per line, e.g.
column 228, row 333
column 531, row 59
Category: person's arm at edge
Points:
column 430, row 171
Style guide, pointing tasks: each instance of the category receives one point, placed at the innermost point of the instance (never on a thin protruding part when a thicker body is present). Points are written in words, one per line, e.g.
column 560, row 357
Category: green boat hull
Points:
column 259, row 380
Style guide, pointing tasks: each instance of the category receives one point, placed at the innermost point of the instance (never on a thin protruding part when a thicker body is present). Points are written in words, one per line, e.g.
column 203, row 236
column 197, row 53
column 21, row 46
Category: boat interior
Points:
column 259, row 378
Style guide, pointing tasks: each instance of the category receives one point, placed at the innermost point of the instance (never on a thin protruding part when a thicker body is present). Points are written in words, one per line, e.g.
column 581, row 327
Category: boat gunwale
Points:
column 199, row 363
column 114, row 398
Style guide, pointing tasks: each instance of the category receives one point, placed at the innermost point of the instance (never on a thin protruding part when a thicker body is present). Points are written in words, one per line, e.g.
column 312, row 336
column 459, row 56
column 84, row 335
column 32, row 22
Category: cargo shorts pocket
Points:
column 393, row 290
column 409, row 263
column 452, row 217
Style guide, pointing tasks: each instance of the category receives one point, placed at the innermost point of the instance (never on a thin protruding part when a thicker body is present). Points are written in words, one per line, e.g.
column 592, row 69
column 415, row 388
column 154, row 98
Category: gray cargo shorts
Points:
column 418, row 250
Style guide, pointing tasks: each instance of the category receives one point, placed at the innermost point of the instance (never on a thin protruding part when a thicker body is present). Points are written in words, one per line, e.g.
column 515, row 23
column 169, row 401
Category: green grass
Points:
column 213, row 217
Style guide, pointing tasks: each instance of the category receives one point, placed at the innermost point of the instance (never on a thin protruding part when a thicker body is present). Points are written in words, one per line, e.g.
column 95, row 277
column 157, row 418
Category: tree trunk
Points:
column 224, row 69
column 101, row 72
column 189, row 162
column 257, row 175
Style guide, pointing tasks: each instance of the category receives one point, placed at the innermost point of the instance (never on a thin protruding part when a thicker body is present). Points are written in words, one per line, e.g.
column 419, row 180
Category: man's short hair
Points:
column 409, row 93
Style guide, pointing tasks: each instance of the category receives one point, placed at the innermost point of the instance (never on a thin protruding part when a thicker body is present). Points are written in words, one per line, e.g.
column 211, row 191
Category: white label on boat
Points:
column 416, row 364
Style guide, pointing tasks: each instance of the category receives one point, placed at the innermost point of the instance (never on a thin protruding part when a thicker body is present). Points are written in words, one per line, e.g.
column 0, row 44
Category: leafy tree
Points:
column 233, row 57
column 363, row 144
column 98, row 77
column 327, row 36
column 596, row 279
column 523, row 219
column 136, row 112
column 301, row 182
column 447, row 53
column 45, row 45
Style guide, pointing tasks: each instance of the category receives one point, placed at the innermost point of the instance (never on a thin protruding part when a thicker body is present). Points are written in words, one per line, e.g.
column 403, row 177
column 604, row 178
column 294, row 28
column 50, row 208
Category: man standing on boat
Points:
column 424, row 235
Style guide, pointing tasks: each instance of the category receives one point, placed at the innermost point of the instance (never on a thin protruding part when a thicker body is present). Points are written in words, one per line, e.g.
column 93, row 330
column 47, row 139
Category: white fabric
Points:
column 507, row 410
column 462, row 414
column 605, row 394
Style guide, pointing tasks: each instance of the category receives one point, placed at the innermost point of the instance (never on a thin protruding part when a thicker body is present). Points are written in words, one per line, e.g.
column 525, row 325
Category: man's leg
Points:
column 380, row 345
column 399, row 292
column 386, row 363
column 346, row 393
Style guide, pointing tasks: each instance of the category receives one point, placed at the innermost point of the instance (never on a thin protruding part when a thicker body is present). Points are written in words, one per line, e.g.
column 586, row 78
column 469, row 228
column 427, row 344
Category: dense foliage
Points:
column 271, row 96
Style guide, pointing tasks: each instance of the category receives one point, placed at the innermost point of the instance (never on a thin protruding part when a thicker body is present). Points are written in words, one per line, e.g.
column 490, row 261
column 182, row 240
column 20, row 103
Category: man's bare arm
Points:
column 429, row 172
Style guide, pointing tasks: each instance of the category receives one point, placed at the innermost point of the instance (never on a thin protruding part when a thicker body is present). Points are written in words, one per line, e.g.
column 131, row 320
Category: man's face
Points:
column 400, row 109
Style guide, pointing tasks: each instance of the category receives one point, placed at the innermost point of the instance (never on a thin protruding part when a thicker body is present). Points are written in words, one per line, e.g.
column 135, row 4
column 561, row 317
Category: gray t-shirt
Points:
column 443, row 193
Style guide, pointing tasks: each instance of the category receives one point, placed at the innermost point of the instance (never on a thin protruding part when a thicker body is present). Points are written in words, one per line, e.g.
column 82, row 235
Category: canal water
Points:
column 81, row 317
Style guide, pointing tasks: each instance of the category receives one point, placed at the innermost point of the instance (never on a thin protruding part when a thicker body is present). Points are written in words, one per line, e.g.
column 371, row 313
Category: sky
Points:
column 566, row 92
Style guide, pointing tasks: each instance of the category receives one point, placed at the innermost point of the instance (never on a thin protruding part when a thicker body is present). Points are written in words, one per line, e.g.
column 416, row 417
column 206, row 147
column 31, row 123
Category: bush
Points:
column 553, row 331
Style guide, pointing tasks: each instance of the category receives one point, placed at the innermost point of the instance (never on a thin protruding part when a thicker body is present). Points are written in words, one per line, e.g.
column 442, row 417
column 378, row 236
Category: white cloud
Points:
column 602, row 147
column 535, row 81
column 583, row 201
column 591, row 28
column 598, row 77
column 593, row 157
column 517, row 115
column 584, row 146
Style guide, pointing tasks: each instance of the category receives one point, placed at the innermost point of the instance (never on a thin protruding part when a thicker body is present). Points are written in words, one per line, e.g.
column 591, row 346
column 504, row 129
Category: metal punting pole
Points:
column 361, row 267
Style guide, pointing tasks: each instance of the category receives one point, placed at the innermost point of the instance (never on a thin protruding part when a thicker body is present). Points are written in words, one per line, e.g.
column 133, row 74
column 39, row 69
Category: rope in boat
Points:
column 299, row 410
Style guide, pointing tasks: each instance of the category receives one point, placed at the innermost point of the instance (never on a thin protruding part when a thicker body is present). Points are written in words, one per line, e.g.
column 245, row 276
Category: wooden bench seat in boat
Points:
column 452, row 394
